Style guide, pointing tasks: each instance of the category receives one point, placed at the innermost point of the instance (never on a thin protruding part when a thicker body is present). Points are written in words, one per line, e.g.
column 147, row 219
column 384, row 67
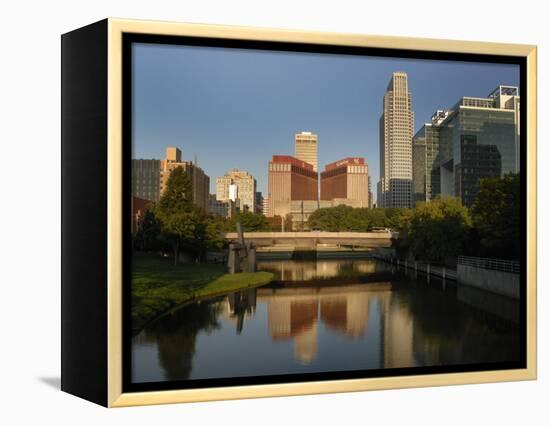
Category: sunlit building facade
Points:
column 291, row 183
column 396, row 134
column 305, row 148
column 346, row 182
column 238, row 186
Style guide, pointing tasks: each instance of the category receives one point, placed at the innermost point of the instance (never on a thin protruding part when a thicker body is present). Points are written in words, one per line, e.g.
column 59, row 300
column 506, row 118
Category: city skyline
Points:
column 258, row 100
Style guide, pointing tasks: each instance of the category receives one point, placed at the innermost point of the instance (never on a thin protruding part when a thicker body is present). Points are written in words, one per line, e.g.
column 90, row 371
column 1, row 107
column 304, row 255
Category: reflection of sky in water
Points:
column 270, row 331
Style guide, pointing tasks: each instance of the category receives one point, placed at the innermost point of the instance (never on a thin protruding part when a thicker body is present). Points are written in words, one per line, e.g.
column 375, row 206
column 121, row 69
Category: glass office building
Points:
column 426, row 176
column 479, row 138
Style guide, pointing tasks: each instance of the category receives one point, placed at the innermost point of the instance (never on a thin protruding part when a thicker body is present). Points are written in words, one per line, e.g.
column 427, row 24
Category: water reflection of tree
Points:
column 176, row 336
column 241, row 305
column 449, row 332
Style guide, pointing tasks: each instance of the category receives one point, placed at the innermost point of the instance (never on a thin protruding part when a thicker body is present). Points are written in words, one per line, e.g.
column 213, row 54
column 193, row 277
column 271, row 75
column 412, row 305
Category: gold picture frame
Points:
column 115, row 396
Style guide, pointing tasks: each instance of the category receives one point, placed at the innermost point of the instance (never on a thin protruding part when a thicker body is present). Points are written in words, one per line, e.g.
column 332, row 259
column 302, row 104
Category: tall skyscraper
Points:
column 346, row 182
column 305, row 148
column 238, row 186
column 146, row 179
column 396, row 134
column 200, row 181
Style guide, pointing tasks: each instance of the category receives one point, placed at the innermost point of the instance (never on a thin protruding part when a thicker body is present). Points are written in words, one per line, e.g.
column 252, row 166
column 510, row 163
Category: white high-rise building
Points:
column 396, row 134
column 305, row 148
column 238, row 186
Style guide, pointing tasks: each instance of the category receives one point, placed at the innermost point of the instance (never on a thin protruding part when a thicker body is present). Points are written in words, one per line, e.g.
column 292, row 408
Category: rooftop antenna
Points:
column 196, row 161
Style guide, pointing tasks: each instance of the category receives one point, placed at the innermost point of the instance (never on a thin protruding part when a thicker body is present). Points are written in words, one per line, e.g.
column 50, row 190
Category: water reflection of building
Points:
column 348, row 314
column 286, row 270
column 294, row 317
column 294, row 314
column 397, row 333
column 305, row 345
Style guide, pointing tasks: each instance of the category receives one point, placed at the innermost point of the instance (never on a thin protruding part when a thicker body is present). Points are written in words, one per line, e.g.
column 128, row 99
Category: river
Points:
column 324, row 316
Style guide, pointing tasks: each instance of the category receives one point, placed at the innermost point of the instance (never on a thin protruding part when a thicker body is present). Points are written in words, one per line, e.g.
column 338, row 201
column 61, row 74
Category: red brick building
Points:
column 346, row 182
column 290, row 179
column 139, row 207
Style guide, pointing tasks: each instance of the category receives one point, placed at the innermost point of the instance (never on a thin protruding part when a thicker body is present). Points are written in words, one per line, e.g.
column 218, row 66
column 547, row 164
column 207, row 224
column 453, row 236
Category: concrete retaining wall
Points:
column 504, row 283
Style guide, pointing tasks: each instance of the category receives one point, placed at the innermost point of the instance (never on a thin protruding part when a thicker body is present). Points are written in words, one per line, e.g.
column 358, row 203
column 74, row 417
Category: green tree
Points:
column 396, row 217
column 496, row 216
column 436, row 229
column 147, row 236
column 251, row 222
column 379, row 219
column 178, row 195
column 182, row 225
column 185, row 231
column 215, row 228
column 346, row 218
column 332, row 219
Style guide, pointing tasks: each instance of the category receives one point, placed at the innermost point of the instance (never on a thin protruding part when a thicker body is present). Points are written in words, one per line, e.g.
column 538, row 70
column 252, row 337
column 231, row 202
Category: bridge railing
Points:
column 312, row 235
column 492, row 264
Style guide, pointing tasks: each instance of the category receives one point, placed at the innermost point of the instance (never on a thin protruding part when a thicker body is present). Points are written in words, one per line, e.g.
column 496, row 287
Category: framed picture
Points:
column 253, row 212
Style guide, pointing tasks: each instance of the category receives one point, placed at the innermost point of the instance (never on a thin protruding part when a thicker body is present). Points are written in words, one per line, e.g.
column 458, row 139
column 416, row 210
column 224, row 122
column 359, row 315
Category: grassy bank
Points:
column 158, row 285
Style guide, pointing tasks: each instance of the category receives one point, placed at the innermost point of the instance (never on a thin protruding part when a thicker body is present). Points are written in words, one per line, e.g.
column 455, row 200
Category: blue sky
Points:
column 235, row 108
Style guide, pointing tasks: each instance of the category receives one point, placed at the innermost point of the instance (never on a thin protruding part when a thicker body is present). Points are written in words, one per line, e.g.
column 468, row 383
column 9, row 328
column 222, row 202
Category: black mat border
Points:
column 130, row 38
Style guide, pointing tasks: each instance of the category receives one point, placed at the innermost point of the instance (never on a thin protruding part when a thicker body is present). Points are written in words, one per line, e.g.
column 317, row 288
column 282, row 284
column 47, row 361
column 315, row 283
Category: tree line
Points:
column 430, row 231
column 443, row 227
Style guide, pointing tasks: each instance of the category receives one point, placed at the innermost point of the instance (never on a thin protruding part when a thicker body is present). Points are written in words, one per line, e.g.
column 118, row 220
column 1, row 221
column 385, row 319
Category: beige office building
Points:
column 396, row 135
column 200, row 181
column 305, row 148
column 238, row 186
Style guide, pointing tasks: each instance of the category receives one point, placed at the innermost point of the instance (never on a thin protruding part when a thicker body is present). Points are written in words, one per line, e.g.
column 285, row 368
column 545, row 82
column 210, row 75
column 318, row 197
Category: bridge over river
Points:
column 315, row 240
